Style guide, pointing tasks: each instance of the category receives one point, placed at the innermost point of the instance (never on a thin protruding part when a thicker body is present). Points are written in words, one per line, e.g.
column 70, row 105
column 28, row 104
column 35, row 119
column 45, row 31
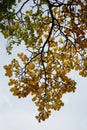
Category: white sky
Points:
column 18, row 114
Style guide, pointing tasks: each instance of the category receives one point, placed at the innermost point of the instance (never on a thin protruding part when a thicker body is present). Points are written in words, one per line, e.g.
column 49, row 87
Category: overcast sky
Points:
column 19, row 114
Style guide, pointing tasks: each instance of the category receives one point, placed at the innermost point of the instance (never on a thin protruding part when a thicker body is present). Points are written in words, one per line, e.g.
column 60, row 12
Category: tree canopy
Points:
column 55, row 35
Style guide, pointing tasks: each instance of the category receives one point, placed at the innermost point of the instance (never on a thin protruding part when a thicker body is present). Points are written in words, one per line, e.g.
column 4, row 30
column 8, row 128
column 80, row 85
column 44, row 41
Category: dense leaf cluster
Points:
column 7, row 12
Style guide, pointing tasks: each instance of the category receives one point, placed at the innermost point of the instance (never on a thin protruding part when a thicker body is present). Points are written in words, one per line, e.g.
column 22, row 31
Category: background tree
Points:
column 55, row 35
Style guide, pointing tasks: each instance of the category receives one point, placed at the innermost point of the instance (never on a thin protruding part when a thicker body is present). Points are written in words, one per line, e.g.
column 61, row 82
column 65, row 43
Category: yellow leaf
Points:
column 31, row 65
column 46, row 35
column 60, row 40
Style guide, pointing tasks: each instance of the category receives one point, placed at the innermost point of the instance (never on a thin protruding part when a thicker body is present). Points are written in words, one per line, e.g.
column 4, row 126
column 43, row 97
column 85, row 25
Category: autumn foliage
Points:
column 55, row 35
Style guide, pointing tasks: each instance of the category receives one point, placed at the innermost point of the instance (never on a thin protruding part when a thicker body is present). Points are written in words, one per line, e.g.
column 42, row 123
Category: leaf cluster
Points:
column 55, row 35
